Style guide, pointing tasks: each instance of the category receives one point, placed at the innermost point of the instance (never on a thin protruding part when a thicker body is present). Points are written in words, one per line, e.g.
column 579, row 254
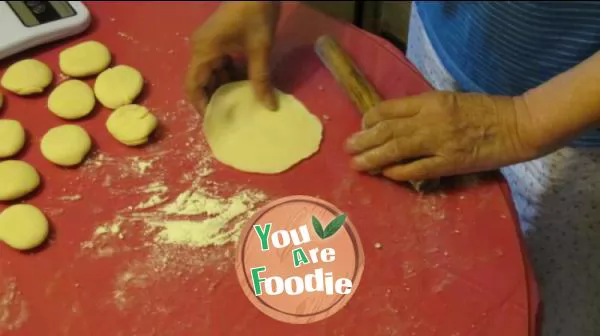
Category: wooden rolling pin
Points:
column 361, row 92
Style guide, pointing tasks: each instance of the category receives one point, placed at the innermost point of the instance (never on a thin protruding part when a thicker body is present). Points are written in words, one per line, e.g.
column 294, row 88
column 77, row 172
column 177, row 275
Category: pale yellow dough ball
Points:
column 131, row 124
column 12, row 137
column 27, row 77
column 72, row 99
column 23, row 226
column 84, row 59
column 17, row 179
column 118, row 86
column 66, row 145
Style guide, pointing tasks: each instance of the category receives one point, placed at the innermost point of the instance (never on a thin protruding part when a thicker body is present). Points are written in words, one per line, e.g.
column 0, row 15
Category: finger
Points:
column 259, row 75
column 390, row 109
column 370, row 138
column 197, row 76
column 427, row 168
column 394, row 151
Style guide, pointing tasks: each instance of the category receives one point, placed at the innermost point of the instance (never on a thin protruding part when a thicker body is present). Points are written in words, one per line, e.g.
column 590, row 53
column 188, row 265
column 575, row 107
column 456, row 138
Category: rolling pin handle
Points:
column 357, row 87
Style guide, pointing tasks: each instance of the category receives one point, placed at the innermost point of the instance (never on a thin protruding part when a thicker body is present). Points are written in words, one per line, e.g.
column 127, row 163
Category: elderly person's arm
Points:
column 563, row 107
column 441, row 133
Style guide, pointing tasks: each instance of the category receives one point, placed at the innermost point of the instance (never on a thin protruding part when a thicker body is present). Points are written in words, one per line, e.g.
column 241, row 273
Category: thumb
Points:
column 259, row 75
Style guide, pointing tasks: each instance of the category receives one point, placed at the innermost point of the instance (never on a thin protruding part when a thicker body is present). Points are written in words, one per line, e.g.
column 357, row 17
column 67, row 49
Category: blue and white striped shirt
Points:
column 508, row 47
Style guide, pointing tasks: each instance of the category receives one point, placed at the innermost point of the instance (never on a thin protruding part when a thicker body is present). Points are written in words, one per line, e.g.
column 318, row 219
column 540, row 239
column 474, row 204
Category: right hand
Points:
column 245, row 28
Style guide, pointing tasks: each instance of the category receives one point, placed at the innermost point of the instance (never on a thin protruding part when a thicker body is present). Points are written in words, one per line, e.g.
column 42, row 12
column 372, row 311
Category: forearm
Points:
column 565, row 106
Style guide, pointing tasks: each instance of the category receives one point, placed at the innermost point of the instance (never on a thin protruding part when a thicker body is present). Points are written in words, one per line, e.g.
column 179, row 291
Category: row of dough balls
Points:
column 115, row 88
column 68, row 145
column 24, row 226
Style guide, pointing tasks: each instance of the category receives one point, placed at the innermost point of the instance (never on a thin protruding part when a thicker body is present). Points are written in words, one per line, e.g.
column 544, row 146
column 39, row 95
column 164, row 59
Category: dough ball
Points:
column 131, row 124
column 27, row 77
column 23, row 226
column 247, row 136
column 118, row 86
column 72, row 99
column 12, row 137
column 66, row 145
column 84, row 59
column 17, row 179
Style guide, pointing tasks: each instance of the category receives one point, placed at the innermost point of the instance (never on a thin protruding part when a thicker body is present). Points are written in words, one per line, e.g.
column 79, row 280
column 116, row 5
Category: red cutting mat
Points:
column 451, row 263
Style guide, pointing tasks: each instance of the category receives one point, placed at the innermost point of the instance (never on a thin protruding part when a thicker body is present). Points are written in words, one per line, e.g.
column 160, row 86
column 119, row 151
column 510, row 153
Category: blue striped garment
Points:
column 508, row 47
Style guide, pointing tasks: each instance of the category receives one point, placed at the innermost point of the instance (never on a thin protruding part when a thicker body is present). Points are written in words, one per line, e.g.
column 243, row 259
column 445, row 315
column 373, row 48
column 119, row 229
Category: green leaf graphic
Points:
column 318, row 227
column 334, row 226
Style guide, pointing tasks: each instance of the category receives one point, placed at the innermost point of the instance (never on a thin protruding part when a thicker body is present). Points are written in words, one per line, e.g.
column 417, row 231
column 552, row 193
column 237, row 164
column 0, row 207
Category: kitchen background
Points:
column 388, row 19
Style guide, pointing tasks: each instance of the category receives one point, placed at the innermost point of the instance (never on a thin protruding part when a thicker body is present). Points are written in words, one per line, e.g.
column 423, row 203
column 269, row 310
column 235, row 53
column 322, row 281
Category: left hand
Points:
column 440, row 134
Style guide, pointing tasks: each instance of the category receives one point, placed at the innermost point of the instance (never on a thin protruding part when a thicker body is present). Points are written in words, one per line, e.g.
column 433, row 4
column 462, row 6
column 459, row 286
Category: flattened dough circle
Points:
column 72, row 99
column 23, row 226
column 246, row 136
column 118, row 86
column 66, row 145
column 17, row 179
column 84, row 59
column 131, row 124
column 12, row 137
column 27, row 77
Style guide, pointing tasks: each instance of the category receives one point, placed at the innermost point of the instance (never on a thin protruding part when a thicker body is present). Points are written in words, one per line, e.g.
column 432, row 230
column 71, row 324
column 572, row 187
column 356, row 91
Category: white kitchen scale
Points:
column 27, row 24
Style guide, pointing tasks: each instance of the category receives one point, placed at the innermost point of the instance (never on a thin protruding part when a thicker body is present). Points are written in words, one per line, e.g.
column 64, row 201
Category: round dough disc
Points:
column 72, row 99
column 131, row 124
column 84, row 59
column 118, row 86
column 23, row 226
column 27, row 77
column 66, row 145
column 12, row 137
column 17, row 179
column 247, row 136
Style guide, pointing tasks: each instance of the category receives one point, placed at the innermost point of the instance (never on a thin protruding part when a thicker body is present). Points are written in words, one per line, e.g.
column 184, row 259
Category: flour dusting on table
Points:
column 13, row 309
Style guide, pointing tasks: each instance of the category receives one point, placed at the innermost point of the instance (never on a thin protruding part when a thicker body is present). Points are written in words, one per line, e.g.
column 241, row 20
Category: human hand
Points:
column 441, row 134
column 236, row 28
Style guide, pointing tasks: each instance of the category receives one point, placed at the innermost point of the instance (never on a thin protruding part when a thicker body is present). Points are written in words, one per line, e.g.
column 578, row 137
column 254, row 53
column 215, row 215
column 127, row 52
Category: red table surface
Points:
column 451, row 263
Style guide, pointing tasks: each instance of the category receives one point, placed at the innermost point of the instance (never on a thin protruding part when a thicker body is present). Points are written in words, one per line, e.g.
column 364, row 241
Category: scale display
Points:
column 34, row 13
column 27, row 24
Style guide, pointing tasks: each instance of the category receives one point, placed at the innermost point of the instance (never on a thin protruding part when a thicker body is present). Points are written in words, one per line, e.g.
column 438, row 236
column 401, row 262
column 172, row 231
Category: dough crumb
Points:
column 378, row 246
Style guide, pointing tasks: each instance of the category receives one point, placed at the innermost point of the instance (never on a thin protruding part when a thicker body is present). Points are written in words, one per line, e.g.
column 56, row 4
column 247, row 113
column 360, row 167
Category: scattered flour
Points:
column 70, row 198
column 13, row 309
column 215, row 230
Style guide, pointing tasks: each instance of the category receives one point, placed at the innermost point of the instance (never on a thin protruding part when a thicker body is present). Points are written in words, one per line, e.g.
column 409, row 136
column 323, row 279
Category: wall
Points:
column 380, row 17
